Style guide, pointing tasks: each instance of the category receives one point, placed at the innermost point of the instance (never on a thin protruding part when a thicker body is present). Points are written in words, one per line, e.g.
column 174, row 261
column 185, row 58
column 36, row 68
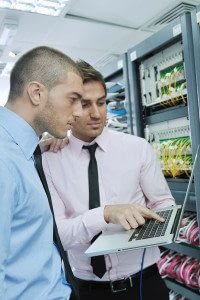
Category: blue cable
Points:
column 141, row 270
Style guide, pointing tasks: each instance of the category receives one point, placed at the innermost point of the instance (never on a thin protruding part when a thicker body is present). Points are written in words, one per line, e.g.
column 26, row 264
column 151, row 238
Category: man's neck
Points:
column 22, row 111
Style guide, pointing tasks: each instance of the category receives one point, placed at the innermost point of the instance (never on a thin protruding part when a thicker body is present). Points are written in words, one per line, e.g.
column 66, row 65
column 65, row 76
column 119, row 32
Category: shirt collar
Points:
column 20, row 131
column 102, row 141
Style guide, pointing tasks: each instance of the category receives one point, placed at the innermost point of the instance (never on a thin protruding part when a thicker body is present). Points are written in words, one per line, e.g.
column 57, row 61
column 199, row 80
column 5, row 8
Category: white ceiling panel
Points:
column 82, row 36
column 34, row 27
column 133, row 13
column 93, row 36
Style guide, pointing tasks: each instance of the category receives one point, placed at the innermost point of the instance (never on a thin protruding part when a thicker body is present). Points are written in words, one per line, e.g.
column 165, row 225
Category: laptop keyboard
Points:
column 152, row 228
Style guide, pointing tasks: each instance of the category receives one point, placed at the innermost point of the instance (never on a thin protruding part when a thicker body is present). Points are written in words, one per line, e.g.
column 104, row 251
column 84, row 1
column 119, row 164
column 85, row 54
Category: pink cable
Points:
column 190, row 230
column 181, row 268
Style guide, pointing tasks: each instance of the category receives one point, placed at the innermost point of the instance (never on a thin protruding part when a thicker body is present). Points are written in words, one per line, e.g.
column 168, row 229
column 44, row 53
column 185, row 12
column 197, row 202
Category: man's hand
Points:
column 129, row 215
column 49, row 143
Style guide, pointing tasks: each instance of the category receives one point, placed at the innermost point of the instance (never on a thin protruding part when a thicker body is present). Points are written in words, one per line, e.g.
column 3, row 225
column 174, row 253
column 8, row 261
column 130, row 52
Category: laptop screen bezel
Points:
column 176, row 239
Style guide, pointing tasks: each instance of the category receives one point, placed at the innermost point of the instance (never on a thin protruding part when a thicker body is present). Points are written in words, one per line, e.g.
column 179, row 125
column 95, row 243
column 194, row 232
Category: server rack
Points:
column 117, row 71
column 176, row 34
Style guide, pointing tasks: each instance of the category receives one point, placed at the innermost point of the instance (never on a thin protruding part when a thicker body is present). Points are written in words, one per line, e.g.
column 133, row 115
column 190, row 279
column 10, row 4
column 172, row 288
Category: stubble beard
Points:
column 45, row 121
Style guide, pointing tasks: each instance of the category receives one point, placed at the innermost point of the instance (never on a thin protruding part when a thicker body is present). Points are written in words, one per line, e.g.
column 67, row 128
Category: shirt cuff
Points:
column 162, row 204
column 94, row 220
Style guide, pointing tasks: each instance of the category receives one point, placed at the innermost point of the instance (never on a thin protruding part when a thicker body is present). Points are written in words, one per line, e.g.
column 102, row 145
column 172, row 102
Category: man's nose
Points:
column 78, row 110
column 94, row 111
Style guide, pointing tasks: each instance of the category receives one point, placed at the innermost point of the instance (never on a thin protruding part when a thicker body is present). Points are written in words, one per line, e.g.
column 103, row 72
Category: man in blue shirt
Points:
column 45, row 94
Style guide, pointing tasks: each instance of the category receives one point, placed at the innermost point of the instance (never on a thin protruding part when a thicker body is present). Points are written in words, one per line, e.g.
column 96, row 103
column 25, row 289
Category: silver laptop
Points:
column 153, row 232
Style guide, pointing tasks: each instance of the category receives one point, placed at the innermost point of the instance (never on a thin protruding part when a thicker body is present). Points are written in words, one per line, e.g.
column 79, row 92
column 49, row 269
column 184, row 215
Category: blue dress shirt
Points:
column 30, row 265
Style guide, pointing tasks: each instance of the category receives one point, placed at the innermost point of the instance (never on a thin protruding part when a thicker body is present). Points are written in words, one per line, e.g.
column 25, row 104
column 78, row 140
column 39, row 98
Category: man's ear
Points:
column 35, row 91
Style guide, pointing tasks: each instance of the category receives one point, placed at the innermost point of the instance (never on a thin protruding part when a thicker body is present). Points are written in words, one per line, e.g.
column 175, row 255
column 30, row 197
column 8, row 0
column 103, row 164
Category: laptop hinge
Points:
column 176, row 221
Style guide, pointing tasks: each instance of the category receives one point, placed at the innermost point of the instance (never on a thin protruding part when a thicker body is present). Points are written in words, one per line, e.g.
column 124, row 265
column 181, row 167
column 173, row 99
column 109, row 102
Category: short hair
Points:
column 90, row 74
column 43, row 64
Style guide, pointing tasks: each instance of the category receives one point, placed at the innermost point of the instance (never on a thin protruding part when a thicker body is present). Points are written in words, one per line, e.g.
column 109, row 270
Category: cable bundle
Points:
column 182, row 268
column 190, row 231
column 175, row 156
column 117, row 115
column 172, row 86
column 116, row 106
column 169, row 264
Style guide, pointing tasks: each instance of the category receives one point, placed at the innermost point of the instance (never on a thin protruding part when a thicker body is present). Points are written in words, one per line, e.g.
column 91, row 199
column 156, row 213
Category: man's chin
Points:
column 59, row 135
column 95, row 132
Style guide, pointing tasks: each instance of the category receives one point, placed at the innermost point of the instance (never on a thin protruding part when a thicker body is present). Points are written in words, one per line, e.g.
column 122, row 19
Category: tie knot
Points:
column 91, row 148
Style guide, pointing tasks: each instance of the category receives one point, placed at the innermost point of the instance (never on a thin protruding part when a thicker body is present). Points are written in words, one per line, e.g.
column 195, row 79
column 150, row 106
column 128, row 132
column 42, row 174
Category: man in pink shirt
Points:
column 131, row 183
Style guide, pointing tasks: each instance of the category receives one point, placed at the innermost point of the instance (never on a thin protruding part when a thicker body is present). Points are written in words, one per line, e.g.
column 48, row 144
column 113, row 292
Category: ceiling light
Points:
column 6, row 3
column 7, row 31
column 47, row 7
column 12, row 54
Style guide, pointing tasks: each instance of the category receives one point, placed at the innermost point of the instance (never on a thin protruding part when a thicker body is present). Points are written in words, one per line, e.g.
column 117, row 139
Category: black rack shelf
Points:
column 182, row 289
column 167, row 115
column 184, row 248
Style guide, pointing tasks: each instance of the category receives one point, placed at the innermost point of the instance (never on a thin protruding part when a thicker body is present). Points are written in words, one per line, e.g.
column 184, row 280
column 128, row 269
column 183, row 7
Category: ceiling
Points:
column 96, row 31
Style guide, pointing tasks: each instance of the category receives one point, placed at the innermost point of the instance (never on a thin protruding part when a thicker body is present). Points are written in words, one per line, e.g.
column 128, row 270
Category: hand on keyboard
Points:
column 129, row 215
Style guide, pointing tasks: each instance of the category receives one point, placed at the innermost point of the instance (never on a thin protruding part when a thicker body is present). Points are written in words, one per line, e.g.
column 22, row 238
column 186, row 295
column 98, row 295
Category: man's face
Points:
column 62, row 106
column 93, row 118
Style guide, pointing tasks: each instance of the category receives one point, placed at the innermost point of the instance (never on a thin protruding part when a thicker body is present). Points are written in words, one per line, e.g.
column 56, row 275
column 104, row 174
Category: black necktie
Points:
column 56, row 238
column 97, row 262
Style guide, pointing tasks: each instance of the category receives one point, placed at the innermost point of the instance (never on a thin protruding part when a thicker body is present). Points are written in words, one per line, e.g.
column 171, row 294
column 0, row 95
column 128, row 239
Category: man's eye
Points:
column 85, row 104
column 102, row 103
column 74, row 99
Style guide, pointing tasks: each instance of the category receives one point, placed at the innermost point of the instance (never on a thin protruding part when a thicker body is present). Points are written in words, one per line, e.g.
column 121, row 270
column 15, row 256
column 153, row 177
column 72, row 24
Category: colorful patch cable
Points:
column 190, row 231
column 181, row 268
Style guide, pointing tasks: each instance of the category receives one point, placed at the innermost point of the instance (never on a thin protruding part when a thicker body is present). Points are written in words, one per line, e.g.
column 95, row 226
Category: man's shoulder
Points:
column 126, row 137
column 56, row 156
column 52, row 154
column 8, row 155
column 10, row 152
column 7, row 146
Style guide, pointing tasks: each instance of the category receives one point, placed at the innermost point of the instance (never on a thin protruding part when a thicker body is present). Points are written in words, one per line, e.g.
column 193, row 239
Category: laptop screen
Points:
column 187, row 192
